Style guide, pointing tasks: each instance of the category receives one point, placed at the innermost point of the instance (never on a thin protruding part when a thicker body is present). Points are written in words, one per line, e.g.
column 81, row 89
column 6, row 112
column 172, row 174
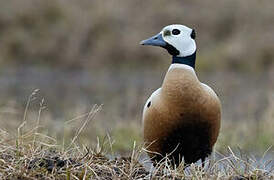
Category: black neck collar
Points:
column 188, row 60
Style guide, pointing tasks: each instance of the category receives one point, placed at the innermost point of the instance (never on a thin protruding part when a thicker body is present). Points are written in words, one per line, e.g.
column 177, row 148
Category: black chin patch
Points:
column 171, row 50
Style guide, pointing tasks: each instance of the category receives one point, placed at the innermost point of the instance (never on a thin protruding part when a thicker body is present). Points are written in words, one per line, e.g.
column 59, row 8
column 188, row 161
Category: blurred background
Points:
column 86, row 52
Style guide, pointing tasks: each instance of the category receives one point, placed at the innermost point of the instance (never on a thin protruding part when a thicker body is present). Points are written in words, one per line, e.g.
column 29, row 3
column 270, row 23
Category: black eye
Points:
column 175, row 31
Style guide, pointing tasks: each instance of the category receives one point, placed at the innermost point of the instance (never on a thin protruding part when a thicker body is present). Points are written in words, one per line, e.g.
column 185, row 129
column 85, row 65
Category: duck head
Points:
column 178, row 40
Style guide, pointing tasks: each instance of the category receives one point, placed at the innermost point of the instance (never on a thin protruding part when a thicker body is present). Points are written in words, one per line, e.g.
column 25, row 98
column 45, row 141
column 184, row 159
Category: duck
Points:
column 181, row 120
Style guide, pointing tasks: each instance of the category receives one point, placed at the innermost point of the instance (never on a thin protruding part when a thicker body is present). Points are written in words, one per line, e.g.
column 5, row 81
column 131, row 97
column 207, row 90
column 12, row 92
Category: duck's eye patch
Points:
column 176, row 31
column 167, row 33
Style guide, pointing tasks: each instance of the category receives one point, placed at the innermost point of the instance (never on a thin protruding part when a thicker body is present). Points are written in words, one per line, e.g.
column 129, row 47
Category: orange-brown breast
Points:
column 184, row 112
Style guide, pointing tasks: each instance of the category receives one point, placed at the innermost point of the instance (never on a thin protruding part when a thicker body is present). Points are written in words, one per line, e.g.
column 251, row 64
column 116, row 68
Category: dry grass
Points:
column 31, row 154
column 249, row 134
column 44, row 160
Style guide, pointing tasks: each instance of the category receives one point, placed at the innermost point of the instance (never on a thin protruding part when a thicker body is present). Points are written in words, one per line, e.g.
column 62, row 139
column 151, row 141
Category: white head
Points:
column 180, row 37
column 177, row 39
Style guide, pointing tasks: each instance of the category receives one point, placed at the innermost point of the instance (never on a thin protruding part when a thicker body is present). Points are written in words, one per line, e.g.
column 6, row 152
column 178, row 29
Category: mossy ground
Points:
column 31, row 154
column 25, row 160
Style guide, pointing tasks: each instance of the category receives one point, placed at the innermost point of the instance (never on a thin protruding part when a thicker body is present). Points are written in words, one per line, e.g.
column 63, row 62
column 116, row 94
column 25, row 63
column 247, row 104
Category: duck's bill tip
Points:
column 142, row 42
column 156, row 40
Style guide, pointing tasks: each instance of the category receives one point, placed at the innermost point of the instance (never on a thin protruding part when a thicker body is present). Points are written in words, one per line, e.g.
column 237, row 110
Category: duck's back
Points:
column 182, row 118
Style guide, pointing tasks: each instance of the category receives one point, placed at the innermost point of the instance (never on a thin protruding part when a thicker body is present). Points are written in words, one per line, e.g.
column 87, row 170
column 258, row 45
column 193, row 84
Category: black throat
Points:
column 188, row 60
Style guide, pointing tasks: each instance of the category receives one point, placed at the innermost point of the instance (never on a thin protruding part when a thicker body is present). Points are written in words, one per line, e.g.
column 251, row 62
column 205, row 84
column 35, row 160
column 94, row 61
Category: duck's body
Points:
column 182, row 118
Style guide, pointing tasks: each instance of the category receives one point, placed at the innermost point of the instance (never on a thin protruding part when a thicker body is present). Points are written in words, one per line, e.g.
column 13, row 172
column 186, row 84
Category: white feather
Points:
column 151, row 99
column 183, row 41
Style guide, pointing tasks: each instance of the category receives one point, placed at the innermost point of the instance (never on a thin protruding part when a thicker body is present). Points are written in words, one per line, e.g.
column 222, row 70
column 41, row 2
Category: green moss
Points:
column 245, row 136
column 124, row 137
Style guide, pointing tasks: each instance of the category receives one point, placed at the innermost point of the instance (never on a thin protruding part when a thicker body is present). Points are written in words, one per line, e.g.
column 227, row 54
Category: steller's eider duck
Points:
column 181, row 119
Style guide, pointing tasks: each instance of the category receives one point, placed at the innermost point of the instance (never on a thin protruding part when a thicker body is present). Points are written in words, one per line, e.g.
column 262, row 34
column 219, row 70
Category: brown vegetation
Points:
column 34, row 155
column 234, row 35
